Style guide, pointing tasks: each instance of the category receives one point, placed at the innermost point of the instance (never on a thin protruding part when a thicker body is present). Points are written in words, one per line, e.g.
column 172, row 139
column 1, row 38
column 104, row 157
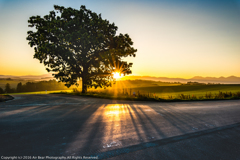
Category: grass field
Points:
column 166, row 90
column 201, row 90
column 162, row 90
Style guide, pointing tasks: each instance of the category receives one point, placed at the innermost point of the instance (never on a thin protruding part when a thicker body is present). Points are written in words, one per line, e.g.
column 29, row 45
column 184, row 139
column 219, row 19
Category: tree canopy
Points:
column 79, row 44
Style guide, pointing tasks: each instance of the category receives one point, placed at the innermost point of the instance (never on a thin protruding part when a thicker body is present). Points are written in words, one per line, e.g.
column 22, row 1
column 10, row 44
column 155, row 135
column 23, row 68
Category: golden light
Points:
column 116, row 75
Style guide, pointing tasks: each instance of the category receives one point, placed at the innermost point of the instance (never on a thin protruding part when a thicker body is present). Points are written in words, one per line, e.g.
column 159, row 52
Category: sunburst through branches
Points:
column 120, row 68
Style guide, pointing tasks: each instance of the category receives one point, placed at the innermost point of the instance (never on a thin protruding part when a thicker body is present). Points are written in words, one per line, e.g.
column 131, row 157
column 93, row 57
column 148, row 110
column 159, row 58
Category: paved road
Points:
column 62, row 125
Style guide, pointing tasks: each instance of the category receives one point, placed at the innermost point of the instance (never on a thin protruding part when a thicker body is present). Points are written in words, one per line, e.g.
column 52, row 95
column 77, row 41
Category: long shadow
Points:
column 21, row 116
column 27, row 108
column 155, row 127
column 186, row 117
column 76, row 130
column 123, row 119
column 161, row 142
column 135, row 124
column 174, row 118
column 100, row 134
column 179, row 119
column 48, row 130
column 93, row 136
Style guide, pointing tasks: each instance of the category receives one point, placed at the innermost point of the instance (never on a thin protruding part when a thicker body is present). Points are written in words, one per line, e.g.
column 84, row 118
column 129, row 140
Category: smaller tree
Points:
column 19, row 87
column 1, row 91
column 7, row 88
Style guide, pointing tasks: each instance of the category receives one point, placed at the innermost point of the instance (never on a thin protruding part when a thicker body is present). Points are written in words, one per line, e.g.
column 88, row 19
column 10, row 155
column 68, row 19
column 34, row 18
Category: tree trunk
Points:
column 84, row 78
column 84, row 86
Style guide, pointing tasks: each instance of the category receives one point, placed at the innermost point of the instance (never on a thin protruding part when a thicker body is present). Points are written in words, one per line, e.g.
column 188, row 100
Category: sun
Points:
column 116, row 75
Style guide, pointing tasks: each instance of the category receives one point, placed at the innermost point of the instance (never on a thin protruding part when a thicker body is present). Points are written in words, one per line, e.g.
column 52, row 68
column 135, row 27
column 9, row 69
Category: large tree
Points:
column 79, row 44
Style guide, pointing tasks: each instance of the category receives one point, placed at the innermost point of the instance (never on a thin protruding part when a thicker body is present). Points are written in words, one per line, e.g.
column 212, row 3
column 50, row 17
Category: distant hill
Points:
column 230, row 80
column 28, row 77
column 223, row 80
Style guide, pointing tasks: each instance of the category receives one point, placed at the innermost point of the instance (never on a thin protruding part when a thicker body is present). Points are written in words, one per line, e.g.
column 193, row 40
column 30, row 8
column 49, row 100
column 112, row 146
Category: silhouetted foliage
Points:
column 7, row 88
column 1, row 91
column 19, row 87
column 35, row 86
column 41, row 86
column 195, row 83
column 80, row 44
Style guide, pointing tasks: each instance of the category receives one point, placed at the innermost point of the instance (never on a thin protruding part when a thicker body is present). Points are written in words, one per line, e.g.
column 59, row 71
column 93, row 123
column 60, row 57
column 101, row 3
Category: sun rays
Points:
column 117, row 75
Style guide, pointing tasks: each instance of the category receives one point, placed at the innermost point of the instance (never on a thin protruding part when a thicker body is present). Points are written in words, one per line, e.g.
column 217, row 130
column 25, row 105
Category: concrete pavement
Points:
column 63, row 125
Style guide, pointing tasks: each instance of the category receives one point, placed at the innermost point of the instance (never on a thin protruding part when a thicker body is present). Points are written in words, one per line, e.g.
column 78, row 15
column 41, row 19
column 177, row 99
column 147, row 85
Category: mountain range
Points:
column 223, row 80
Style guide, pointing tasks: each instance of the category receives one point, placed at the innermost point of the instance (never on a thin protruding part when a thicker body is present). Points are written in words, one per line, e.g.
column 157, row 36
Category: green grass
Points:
column 177, row 93
column 141, row 83
column 155, row 90
column 198, row 90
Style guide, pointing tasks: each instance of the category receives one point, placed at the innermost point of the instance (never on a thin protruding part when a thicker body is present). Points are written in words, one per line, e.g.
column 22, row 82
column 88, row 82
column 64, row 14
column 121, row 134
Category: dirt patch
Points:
column 5, row 98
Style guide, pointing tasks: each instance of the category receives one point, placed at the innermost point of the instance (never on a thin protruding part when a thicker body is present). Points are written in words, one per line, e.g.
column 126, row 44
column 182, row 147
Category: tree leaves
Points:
column 79, row 44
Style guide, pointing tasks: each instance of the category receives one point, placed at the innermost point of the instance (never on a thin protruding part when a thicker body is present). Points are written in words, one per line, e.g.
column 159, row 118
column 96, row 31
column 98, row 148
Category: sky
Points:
column 176, row 39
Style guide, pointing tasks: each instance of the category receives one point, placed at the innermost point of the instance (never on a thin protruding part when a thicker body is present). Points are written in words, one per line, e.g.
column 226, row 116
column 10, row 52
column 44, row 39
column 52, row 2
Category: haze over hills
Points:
column 29, row 77
column 223, row 80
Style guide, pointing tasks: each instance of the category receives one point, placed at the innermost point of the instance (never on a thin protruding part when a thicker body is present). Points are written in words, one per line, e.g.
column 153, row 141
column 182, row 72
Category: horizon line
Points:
column 50, row 74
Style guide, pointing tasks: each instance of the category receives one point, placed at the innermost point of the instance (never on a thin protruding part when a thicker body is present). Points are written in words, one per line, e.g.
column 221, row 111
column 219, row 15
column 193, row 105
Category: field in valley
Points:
column 158, row 89
column 166, row 90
